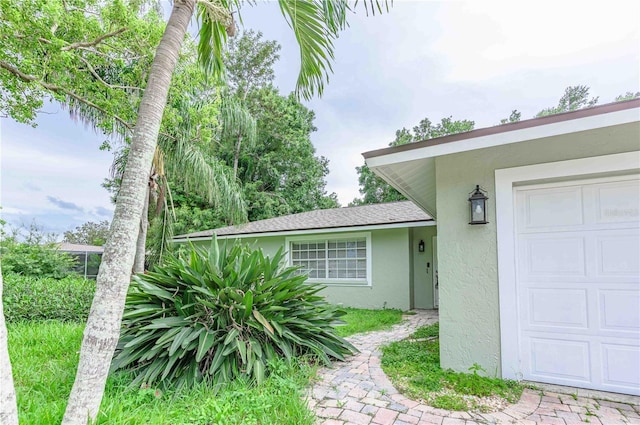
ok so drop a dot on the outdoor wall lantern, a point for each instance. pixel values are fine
(478, 206)
(421, 246)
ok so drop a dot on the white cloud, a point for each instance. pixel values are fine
(48, 170)
(11, 210)
(484, 40)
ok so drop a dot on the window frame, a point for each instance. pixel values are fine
(315, 238)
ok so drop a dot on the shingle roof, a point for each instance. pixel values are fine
(365, 215)
(73, 247)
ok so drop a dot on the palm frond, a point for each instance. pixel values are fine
(160, 236)
(315, 23)
(207, 176)
(216, 21)
(237, 120)
(315, 28)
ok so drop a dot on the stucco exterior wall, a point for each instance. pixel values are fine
(391, 270)
(467, 255)
(390, 275)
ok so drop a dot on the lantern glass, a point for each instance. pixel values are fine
(477, 210)
(478, 206)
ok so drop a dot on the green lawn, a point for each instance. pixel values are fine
(360, 320)
(413, 365)
(45, 356)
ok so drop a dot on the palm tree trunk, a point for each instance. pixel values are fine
(141, 244)
(105, 318)
(8, 405)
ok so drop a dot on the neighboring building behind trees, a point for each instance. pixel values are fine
(88, 258)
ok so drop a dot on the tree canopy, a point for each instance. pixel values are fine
(91, 58)
(278, 171)
(373, 189)
(574, 97)
(88, 233)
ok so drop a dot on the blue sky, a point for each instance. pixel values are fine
(471, 60)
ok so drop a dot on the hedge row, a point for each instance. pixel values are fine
(28, 298)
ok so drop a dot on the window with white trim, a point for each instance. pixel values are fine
(332, 260)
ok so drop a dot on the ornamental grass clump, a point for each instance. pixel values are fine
(223, 314)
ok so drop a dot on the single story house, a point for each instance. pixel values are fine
(547, 289)
(370, 256)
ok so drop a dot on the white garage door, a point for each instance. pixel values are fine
(578, 283)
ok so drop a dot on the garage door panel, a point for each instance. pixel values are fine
(560, 358)
(578, 283)
(558, 308)
(621, 366)
(553, 255)
(620, 311)
(553, 208)
(618, 254)
(618, 202)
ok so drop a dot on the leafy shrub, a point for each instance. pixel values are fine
(34, 259)
(28, 298)
(223, 314)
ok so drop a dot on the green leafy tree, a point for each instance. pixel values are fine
(277, 166)
(315, 26)
(628, 96)
(249, 63)
(89, 233)
(92, 59)
(574, 97)
(28, 251)
(183, 157)
(514, 117)
(282, 174)
(373, 189)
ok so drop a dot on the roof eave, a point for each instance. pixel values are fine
(344, 229)
(627, 111)
(415, 162)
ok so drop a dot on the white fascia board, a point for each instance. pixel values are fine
(538, 132)
(424, 223)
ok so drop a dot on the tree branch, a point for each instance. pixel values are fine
(105, 55)
(57, 89)
(94, 42)
(97, 77)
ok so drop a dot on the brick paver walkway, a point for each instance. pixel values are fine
(357, 392)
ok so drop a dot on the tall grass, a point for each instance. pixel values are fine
(413, 365)
(45, 356)
(361, 320)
